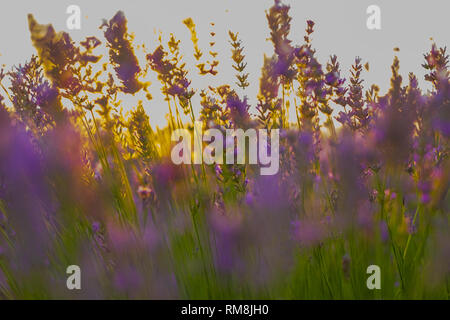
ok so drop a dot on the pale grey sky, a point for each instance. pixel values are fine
(340, 29)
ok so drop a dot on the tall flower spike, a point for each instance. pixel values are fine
(334, 80)
(57, 54)
(189, 23)
(268, 102)
(142, 136)
(35, 100)
(436, 62)
(358, 117)
(238, 59)
(310, 76)
(214, 62)
(207, 67)
(280, 25)
(121, 53)
(172, 73)
(396, 92)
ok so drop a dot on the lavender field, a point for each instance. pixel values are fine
(86, 180)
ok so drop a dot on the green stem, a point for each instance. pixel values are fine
(410, 235)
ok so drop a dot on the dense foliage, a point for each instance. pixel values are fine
(82, 182)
